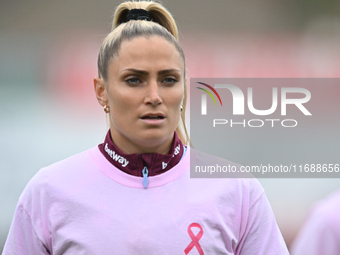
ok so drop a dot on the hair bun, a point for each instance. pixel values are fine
(145, 10)
(138, 14)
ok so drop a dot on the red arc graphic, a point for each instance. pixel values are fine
(194, 239)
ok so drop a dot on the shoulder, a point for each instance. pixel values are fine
(63, 174)
(205, 165)
(69, 167)
(216, 173)
(327, 211)
(330, 204)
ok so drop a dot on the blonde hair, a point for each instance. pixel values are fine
(162, 24)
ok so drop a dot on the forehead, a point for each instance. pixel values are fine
(148, 52)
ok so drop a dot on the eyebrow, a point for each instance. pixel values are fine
(169, 71)
(145, 73)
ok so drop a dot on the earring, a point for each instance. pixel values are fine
(181, 108)
(106, 109)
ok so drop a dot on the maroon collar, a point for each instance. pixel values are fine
(134, 163)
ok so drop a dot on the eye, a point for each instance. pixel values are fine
(133, 81)
(170, 80)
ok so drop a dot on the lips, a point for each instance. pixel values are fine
(153, 119)
(153, 116)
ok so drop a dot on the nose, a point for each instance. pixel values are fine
(153, 96)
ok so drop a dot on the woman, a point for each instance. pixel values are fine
(133, 193)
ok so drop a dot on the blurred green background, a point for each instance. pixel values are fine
(48, 54)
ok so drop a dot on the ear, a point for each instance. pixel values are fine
(100, 90)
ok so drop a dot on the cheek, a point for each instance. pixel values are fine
(176, 101)
(122, 105)
(121, 98)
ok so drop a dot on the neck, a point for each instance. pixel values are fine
(128, 147)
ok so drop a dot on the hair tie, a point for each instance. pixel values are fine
(138, 14)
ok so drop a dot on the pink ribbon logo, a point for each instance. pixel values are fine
(194, 239)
